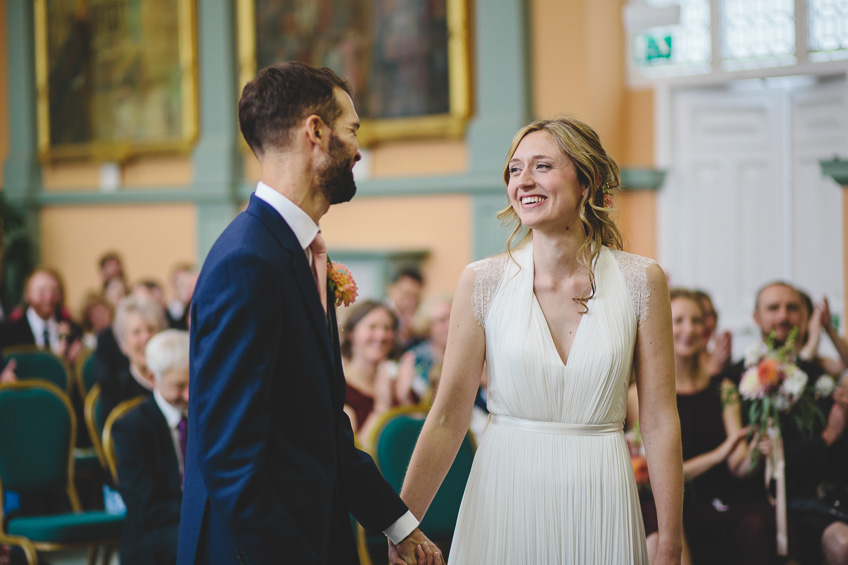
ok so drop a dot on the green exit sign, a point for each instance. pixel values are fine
(650, 49)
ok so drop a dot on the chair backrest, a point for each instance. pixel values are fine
(116, 414)
(34, 363)
(85, 372)
(94, 421)
(37, 431)
(394, 440)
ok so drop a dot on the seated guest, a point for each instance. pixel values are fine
(726, 521)
(403, 295)
(420, 367)
(110, 266)
(136, 321)
(368, 338)
(114, 290)
(150, 448)
(718, 346)
(96, 315)
(183, 281)
(43, 322)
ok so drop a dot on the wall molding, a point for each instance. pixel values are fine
(837, 169)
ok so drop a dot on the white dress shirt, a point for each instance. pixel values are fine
(37, 326)
(173, 415)
(305, 230)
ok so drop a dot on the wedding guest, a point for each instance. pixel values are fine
(420, 367)
(778, 311)
(404, 296)
(96, 315)
(111, 266)
(44, 322)
(369, 336)
(183, 281)
(718, 346)
(150, 448)
(114, 290)
(137, 319)
(717, 506)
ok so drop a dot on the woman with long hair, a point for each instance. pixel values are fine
(562, 321)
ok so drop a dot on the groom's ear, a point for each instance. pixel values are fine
(317, 130)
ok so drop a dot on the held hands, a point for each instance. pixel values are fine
(8, 375)
(416, 549)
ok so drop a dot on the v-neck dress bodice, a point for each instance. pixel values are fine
(552, 481)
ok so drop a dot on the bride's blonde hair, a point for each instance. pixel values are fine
(596, 170)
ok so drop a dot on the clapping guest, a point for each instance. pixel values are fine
(420, 367)
(150, 447)
(137, 319)
(718, 347)
(724, 519)
(815, 320)
(369, 336)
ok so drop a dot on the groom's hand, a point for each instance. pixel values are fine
(416, 549)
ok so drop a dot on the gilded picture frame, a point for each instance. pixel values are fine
(408, 61)
(115, 78)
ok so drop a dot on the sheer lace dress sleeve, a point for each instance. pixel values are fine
(635, 271)
(489, 273)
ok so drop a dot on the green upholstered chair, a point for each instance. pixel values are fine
(85, 372)
(37, 431)
(393, 440)
(94, 421)
(34, 363)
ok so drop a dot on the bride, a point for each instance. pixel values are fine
(561, 322)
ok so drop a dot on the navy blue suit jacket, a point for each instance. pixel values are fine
(271, 469)
(150, 484)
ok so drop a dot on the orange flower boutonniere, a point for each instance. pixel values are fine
(344, 287)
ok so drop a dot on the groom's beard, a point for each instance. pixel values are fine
(335, 180)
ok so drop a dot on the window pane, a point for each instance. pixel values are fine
(679, 49)
(828, 29)
(757, 33)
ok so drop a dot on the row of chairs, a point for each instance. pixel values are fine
(37, 435)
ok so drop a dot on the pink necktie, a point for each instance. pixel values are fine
(319, 266)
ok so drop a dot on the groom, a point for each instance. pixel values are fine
(271, 471)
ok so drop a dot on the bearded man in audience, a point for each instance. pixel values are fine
(150, 447)
(817, 464)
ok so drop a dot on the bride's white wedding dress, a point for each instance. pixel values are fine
(552, 480)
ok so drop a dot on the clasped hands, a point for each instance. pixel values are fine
(415, 549)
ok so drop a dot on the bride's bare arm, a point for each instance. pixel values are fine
(448, 420)
(660, 424)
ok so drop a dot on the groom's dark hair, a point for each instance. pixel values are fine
(283, 94)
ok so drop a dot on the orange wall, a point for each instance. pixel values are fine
(151, 239)
(138, 173)
(439, 224)
(578, 64)
(637, 218)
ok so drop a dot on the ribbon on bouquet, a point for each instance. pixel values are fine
(776, 470)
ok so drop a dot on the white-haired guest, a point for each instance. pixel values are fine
(150, 447)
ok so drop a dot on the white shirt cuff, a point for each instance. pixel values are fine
(404, 526)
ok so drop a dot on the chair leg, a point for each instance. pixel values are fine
(26, 545)
(92, 554)
(108, 550)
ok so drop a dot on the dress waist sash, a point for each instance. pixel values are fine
(555, 427)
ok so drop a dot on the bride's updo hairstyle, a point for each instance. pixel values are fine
(595, 170)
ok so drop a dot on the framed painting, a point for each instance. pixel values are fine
(408, 60)
(115, 78)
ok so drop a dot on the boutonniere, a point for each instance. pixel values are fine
(342, 284)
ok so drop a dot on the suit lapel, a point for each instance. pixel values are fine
(284, 235)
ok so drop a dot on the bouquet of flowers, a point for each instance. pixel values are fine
(773, 385)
